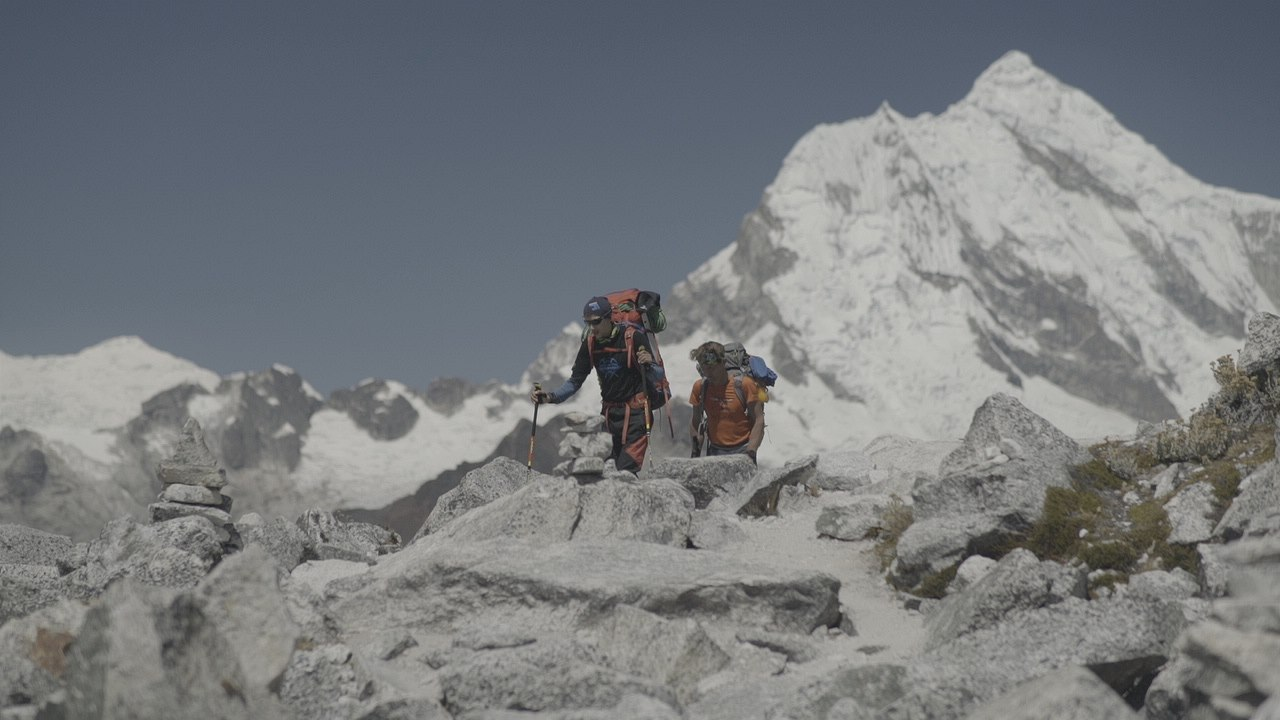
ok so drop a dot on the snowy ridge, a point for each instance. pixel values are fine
(74, 398)
(342, 462)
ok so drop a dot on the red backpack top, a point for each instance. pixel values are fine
(639, 307)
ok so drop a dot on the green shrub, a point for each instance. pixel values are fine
(1125, 462)
(935, 584)
(1179, 556)
(1234, 387)
(1110, 555)
(1067, 511)
(1150, 524)
(1097, 475)
(1150, 534)
(1225, 478)
(896, 519)
(1205, 438)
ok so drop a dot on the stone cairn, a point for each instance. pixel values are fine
(586, 445)
(192, 481)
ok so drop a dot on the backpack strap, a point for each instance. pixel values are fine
(631, 332)
(631, 343)
(737, 390)
(742, 394)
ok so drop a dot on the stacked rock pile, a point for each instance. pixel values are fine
(192, 482)
(586, 447)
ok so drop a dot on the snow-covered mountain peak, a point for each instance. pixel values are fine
(1012, 71)
(102, 386)
(1047, 116)
(1023, 241)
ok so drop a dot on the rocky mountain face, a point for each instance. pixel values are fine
(704, 589)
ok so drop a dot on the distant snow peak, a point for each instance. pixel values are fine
(1013, 68)
(121, 342)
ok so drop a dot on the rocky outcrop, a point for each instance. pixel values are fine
(481, 486)
(761, 495)
(1017, 582)
(1072, 693)
(272, 414)
(39, 487)
(1121, 641)
(329, 537)
(144, 651)
(988, 489)
(553, 510)
(287, 544)
(377, 408)
(1261, 351)
(705, 478)
(21, 545)
(856, 520)
(176, 553)
(1191, 514)
(1227, 666)
(1256, 507)
(553, 587)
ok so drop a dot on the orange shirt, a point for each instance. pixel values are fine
(727, 421)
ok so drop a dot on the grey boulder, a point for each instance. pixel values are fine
(481, 486)
(705, 478)
(1071, 693)
(1018, 581)
(1261, 344)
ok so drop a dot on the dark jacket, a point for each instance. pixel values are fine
(618, 382)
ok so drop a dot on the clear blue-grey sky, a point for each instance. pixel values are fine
(413, 190)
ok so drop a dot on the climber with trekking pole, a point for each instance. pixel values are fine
(632, 381)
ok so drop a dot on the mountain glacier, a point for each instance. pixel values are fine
(897, 272)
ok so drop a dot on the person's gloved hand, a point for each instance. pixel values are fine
(539, 396)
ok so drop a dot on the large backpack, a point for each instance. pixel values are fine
(640, 311)
(738, 362)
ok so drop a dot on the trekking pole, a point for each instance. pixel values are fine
(533, 434)
(644, 383)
